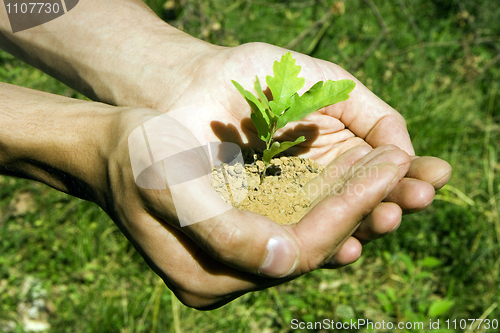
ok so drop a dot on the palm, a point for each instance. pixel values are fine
(225, 115)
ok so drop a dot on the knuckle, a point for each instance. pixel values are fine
(224, 242)
(195, 301)
(194, 293)
(317, 258)
(197, 295)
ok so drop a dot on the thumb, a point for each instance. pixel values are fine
(244, 240)
(172, 169)
(322, 232)
(247, 241)
(253, 243)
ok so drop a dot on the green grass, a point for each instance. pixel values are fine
(436, 64)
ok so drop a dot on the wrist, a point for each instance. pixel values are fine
(56, 140)
(161, 64)
(115, 51)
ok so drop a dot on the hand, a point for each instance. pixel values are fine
(217, 252)
(363, 119)
(209, 263)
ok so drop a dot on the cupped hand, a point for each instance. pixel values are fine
(364, 119)
(213, 261)
(208, 252)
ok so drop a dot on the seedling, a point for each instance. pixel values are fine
(286, 105)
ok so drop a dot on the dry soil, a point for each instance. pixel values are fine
(280, 196)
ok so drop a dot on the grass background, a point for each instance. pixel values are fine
(436, 61)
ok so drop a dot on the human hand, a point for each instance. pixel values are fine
(209, 262)
(363, 119)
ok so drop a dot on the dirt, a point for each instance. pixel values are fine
(280, 196)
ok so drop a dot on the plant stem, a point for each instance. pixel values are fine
(268, 145)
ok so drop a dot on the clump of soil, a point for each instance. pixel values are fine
(280, 197)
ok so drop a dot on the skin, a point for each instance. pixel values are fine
(146, 68)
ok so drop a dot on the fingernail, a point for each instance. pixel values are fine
(396, 227)
(281, 258)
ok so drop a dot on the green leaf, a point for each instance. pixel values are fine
(277, 148)
(382, 297)
(384, 301)
(391, 294)
(431, 262)
(259, 115)
(253, 101)
(319, 96)
(260, 92)
(261, 125)
(408, 263)
(284, 84)
(440, 307)
(272, 117)
(423, 275)
(287, 105)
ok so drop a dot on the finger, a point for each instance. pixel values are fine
(412, 195)
(416, 191)
(251, 242)
(371, 228)
(173, 171)
(430, 169)
(248, 242)
(383, 220)
(348, 253)
(332, 178)
(367, 116)
(243, 240)
(383, 154)
(325, 228)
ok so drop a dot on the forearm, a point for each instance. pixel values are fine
(56, 140)
(108, 50)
